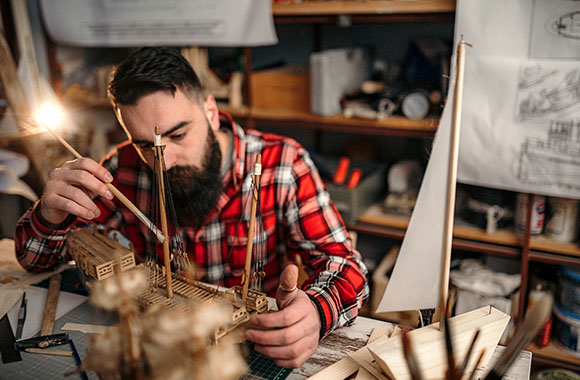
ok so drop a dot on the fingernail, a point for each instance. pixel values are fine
(90, 215)
(109, 194)
(97, 213)
(109, 177)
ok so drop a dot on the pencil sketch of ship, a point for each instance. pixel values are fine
(567, 25)
(533, 75)
(547, 101)
(554, 161)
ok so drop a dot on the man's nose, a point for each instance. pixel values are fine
(169, 158)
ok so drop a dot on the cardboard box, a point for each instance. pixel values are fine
(351, 203)
(285, 88)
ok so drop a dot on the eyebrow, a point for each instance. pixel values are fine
(166, 133)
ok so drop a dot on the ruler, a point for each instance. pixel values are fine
(50, 305)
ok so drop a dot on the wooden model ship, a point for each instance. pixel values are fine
(166, 343)
(169, 323)
(99, 257)
(413, 283)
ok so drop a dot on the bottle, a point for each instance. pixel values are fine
(540, 291)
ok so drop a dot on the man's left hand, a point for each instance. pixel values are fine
(290, 335)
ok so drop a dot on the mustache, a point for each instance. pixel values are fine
(183, 174)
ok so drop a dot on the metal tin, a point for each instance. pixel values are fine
(538, 213)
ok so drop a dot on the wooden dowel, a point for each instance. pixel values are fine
(120, 196)
(451, 181)
(255, 193)
(163, 214)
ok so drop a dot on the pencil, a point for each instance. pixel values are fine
(78, 360)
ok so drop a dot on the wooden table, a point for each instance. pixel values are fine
(337, 345)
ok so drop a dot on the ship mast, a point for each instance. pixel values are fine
(158, 149)
(255, 193)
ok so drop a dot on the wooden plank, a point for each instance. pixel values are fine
(429, 344)
(347, 366)
(313, 8)
(363, 372)
(50, 305)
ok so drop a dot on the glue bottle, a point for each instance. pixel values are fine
(536, 294)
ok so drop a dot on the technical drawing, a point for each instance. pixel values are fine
(533, 75)
(567, 25)
(546, 100)
(554, 161)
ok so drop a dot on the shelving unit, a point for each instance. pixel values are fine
(506, 243)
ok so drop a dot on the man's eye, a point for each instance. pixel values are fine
(178, 136)
(144, 146)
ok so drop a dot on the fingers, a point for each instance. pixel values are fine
(288, 281)
(290, 356)
(294, 337)
(70, 188)
(285, 336)
(289, 277)
(287, 317)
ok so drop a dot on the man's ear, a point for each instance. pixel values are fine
(120, 121)
(211, 112)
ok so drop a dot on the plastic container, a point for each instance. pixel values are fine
(567, 329)
(569, 294)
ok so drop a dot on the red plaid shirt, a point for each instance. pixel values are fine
(296, 216)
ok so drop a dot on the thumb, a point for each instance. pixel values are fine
(288, 281)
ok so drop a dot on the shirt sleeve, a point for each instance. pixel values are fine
(40, 245)
(338, 284)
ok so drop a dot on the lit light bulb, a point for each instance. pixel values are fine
(50, 115)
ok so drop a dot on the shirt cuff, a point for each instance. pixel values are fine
(324, 311)
(47, 227)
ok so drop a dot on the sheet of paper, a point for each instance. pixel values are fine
(521, 103)
(36, 298)
(160, 22)
(419, 264)
(8, 299)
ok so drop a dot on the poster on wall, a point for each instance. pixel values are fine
(119, 23)
(521, 103)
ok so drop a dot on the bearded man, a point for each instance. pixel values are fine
(209, 161)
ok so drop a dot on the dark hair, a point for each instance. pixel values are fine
(153, 69)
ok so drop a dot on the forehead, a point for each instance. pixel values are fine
(161, 108)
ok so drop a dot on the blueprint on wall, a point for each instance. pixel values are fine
(521, 103)
(159, 22)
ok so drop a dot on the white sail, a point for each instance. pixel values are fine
(415, 282)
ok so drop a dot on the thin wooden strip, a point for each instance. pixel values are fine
(48, 352)
(82, 327)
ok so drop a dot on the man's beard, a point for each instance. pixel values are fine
(196, 190)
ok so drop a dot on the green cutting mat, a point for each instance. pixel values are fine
(262, 367)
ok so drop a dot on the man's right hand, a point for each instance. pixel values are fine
(70, 190)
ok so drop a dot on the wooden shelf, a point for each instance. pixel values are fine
(565, 253)
(555, 355)
(313, 8)
(392, 126)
